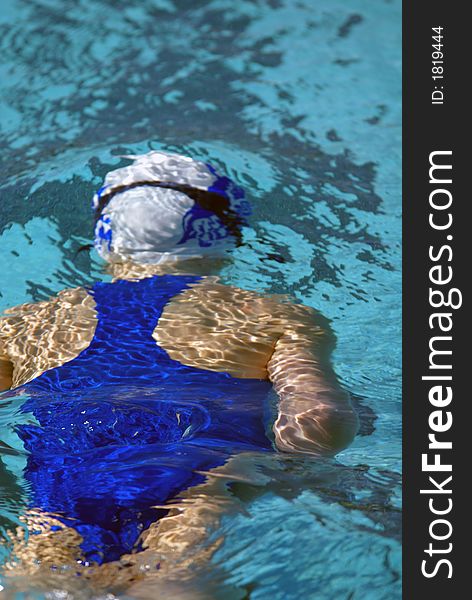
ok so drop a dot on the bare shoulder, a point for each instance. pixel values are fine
(35, 337)
(224, 328)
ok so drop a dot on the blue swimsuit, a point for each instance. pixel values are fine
(122, 428)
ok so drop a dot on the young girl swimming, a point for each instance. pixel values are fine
(138, 387)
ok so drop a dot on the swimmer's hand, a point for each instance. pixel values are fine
(315, 415)
(321, 423)
(6, 374)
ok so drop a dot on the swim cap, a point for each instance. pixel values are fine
(167, 207)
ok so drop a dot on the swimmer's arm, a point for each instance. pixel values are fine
(314, 413)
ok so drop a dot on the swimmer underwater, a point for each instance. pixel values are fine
(140, 387)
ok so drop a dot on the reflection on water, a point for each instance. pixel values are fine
(298, 103)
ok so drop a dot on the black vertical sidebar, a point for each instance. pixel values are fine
(437, 250)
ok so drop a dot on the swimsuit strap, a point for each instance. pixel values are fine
(122, 348)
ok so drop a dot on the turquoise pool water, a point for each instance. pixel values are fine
(299, 102)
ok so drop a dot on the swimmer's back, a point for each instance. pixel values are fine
(213, 327)
(208, 325)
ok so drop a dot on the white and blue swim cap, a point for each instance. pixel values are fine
(167, 207)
